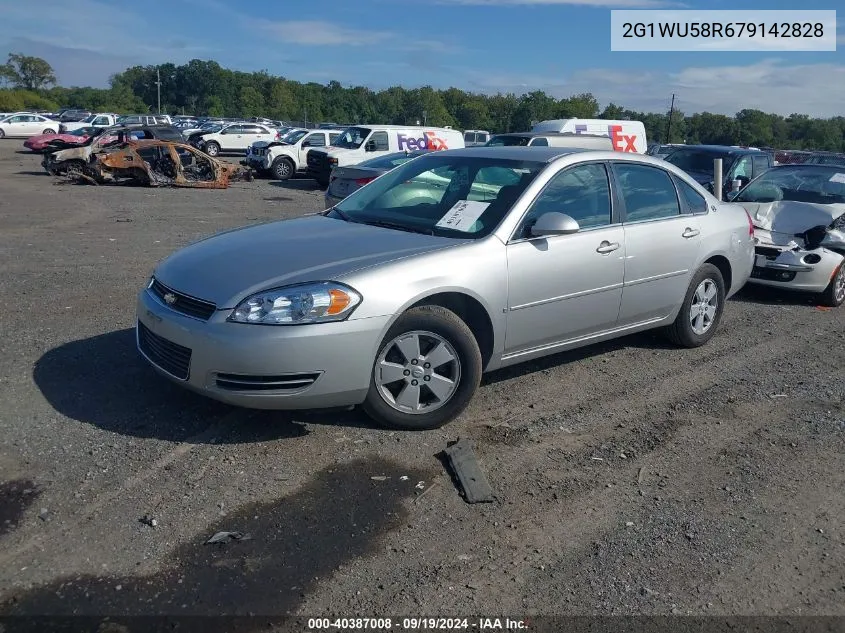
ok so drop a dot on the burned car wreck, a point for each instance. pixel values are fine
(798, 212)
(156, 163)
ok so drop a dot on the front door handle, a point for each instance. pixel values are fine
(688, 233)
(607, 247)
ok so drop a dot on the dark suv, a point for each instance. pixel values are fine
(738, 163)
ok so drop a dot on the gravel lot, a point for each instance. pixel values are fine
(632, 477)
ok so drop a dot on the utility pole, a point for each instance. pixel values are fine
(669, 122)
(158, 88)
(425, 118)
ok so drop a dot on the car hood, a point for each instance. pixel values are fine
(787, 216)
(227, 267)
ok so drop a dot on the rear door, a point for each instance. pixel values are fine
(662, 240)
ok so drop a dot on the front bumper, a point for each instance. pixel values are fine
(263, 366)
(790, 271)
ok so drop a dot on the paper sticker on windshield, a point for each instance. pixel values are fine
(463, 215)
(838, 178)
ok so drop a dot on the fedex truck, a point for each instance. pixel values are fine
(362, 142)
(626, 136)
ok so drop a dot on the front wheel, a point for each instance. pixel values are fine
(2, 134)
(426, 371)
(212, 148)
(834, 294)
(282, 169)
(701, 311)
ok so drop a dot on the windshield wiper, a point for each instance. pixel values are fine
(341, 214)
(399, 227)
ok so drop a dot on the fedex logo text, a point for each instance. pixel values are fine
(621, 142)
(429, 141)
(617, 138)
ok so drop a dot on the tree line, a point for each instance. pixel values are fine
(206, 88)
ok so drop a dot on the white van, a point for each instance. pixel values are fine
(362, 142)
(552, 139)
(627, 136)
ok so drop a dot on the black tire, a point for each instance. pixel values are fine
(2, 134)
(834, 294)
(448, 326)
(212, 148)
(681, 332)
(74, 166)
(49, 131)
(282, 168)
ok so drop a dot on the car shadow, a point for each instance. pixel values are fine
(104, 382)
(271, 555)
(32, 173)
(297, 184)
(775, 296)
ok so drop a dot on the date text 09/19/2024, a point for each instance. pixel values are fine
(418, 624)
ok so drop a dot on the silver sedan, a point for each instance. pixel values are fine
(459, 262)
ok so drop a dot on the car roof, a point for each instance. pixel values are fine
(722, 149)
(537, 154)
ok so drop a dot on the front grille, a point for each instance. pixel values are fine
(316, 159)
(172, 358)
(770, 274)
(183, 303)
(283, 382)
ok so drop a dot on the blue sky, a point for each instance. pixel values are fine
(560, 46)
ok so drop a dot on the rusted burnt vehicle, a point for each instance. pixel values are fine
(160, 164)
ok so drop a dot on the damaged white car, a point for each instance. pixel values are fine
(798, 212)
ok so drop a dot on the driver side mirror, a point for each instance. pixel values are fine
(554, 223)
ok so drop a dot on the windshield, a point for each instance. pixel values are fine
(352, 138)
(440, 194)
(390, 161)
(508, 140)
(293, 137)
(693, 160)
(798, 183)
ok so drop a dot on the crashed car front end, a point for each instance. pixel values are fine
(806, 250)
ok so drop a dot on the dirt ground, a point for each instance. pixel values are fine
(631, 478)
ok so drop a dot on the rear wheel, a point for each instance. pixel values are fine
(2, 133)
(48, 131)
(212, 148)
(426, 371)
(282, 168)
(701, 311)
(834, 294)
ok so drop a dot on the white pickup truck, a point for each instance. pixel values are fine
(95, 120)
(282, 159)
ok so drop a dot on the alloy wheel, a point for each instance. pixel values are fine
(417, 372)
(705, 303)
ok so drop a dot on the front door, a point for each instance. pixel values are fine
(567, 286)
(661, 240)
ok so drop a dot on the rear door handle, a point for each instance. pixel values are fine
(607, 247)
(688, 233)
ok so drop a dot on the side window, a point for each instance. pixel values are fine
(17, 119)
(695, 202)
(380, 141)
(101, 120)
(333, 137)
(149, 154)
(581, 192)
(760, 164)
(539, 142)
(742, 168)
(648, 192)
(469, 137)
(317, 139)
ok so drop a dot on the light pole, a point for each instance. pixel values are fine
(158, 88)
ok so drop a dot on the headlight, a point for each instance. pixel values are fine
(311, 303)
